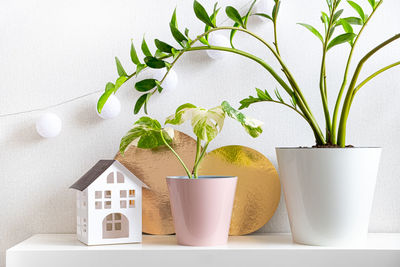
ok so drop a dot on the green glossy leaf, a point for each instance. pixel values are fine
(263, 95)
(246, 17)
(343, 38)
(178, 36)
(372, 3)
(120, 81)
(346, 26)
(337, 15)
(252, 126)
(245, 103)
(325, 20)
(139, 103)
(329, 3)
(354, 21)
(162, 46)
(145, 48)
(213, 18)
(134, 56)
(204, 41)
(146, 134)
(357, 8)
(313, 30)
(201, 14)
(234, 15)
(104, 97)
(145, 85)
(154, 63)
(173, 19)
(278, 95)
(178, 118)
(275, 10)
(146, 101)
(233, 32)
(120, 69)
(187, 32)
(263, 15)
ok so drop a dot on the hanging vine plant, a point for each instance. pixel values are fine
(337, 30)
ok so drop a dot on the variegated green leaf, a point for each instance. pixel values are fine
(252, 126)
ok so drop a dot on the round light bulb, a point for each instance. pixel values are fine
(217, 40)
(170, 82)
(111, 108)
(48, 125)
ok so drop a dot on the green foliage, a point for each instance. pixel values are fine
(120, 69)
(145, 85)
(162, 46)
(145, 48)
(147, 134)
(343, 38)
(312, 30)
(178, 36)
(154, 63)
(359, 10)
(234, 15)
(252, 126)
(201, 14)
(207, 123)
(134, 56)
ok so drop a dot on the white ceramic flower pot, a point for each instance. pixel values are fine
(329, 193)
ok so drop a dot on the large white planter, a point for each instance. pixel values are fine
(329, 193)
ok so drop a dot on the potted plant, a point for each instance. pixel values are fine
(201, 205)
(329, 187)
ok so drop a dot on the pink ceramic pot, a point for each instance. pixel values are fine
(202, 209)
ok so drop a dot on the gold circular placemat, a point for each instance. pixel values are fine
(152, 167)
(258, 189)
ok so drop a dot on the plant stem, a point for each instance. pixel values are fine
(339, 98)
(198, 152)
(350, 92)
(275, 32)
(374, 75)
(319, 136)
(322, 78)
(176, 155)
(197, 164)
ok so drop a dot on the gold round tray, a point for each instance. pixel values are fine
(258, 189)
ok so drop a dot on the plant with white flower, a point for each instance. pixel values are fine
(147, 133)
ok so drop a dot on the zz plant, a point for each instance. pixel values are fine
(337, 30)
(147, 133)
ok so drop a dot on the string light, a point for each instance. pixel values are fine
(111, 108)
(48, 125)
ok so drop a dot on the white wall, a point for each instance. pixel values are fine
(51, 51)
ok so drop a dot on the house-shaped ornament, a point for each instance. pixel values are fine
(109, 205)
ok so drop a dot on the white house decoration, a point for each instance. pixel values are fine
(109, 205)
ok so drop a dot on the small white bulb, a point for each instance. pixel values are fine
(170, 82)
(217, 40)
(48, 125)
(111, 108)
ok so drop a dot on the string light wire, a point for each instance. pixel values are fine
(81, 96)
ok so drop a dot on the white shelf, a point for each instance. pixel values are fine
(275, 250)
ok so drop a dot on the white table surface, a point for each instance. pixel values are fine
(64, 250)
